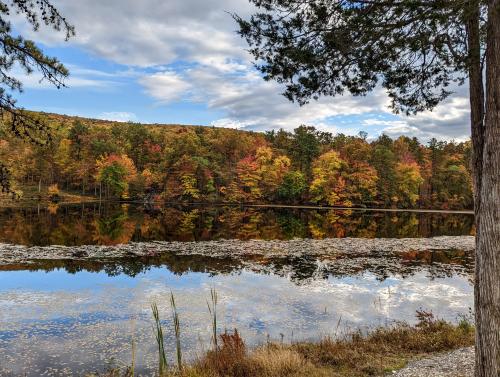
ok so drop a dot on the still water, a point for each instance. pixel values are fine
(109, 224)
(66, 318)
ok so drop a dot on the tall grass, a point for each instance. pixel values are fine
(212, 309)
(177, 331)
(162, 357)
(132, 365)
(355, 354)
(131, 371)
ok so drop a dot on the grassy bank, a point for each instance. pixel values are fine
(32, 196)
(354, 355)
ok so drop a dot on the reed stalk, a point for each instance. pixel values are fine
(134, 350)
(177, 331)
(132, 366)
(162, 357)
(212, 309)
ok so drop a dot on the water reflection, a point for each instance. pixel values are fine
(109, 224)
(69, 317)
(298, 269)
(73, 323)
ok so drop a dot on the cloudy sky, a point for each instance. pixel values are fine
(176, 61)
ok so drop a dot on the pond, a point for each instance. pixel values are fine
(109, 224)
(68, 317)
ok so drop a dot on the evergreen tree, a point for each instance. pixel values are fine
(18, 51)
(415, 50)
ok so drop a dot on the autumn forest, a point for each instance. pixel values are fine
(175, 163)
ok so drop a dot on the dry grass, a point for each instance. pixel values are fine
(387, 349)
(30, 196)
(233, 359)
(355, 355)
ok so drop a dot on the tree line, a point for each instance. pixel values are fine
(175, 163)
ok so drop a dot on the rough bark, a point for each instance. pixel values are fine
(476, 97)
(487, 281)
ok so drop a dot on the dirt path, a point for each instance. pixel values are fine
(459, 363)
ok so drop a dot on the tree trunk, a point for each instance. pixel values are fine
(487, 279)
(476, 97)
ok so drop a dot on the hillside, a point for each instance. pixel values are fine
(184, 163)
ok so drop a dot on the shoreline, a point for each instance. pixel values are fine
(91, 200)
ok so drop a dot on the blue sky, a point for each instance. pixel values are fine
(175, 61)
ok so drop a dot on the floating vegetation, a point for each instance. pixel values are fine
(235, 249)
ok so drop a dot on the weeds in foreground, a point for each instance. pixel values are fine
(354, 355)
(212, 309)
(162, 356)
(177, 331)
(131, 369)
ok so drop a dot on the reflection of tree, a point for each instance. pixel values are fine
(114, 229)
(292, 226)
(299, 269)
(178, 264)
(242, 223)
(113, 223)
(408, 227)
(188, 224)
(339, 224)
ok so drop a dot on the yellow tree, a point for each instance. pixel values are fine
(249, 178)
(408, 180)
(271, 170)
(361, 182)
(328, 186)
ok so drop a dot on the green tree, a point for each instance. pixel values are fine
(293, 186)
(77, 134)
(304, 148)
(116, 172)
(415, 50)
(384, 161)
(113, 176)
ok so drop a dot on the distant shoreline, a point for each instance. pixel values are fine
(44, 203)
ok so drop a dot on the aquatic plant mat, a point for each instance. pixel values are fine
(330, 247)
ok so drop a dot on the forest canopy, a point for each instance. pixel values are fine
(206, 164)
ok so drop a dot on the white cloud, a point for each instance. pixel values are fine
(450, 119)
(192, 52)
(79, 78)
(118, 116)
(165, 86)
(251, 102)
(227, 123)
(151, 32)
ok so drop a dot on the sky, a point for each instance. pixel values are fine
(181, 61)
